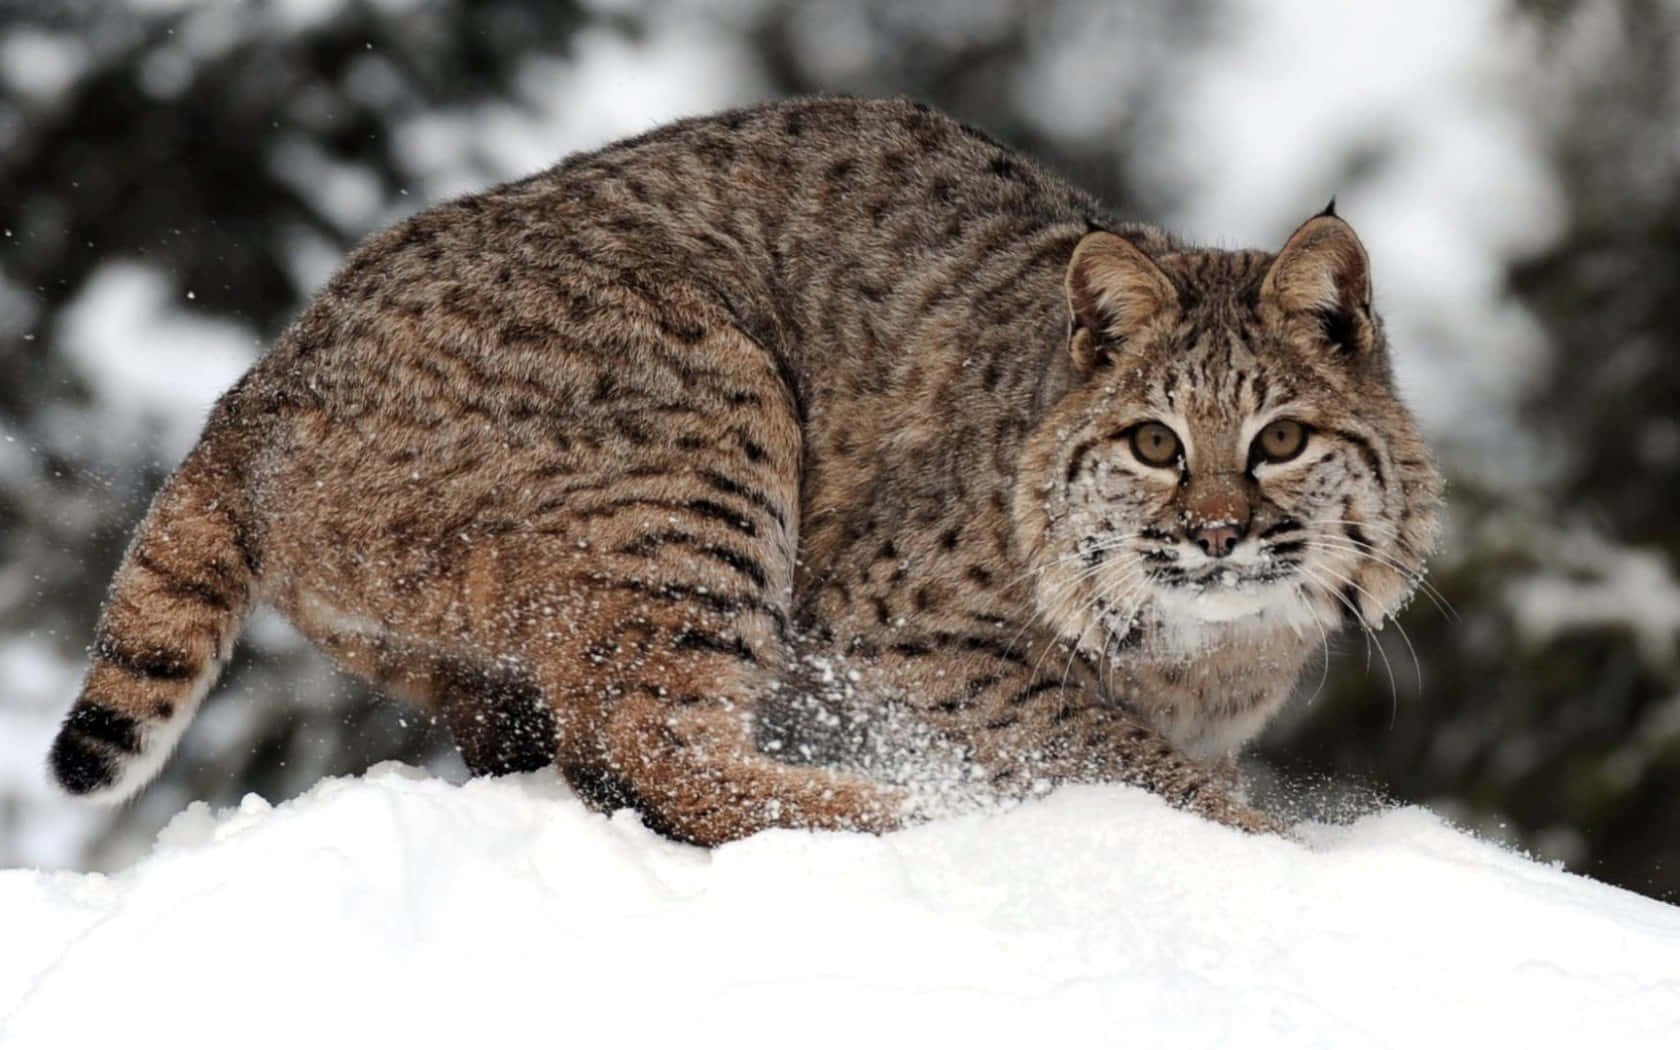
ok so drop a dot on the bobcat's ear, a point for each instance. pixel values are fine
(1113, 289)
(1323, 273)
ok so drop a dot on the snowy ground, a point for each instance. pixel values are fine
(400, 909)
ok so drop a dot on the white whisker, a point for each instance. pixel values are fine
(1370, 635)
(1324, 640)
(1417, 665)
(1428, 589)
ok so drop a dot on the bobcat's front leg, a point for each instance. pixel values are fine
(1091, 740)
(1024, 716)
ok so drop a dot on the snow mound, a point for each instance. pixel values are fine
(401, 910)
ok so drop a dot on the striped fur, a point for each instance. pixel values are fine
(737, 470)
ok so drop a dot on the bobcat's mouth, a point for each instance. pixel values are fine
(1216, 576)
(1177, 569)
(1219, 592)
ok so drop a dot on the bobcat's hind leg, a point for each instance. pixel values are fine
(671, 584)
(498, 716)
(690, 762)
(674, 640)
(630, 549)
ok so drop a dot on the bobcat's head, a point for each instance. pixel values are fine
(1231, 453)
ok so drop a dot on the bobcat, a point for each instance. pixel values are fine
(823, 464)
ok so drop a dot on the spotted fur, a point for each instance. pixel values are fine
(752, 473)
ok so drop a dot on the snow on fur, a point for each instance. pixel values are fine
(401, 910)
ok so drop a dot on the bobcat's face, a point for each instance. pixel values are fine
(1232, 455)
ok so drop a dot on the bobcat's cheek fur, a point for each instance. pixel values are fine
(747, 473)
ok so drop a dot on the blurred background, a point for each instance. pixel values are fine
(177, 176)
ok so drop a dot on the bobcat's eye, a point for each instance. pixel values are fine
(1155, 444)
(1281, 440)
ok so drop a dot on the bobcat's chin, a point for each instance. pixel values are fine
(1186, 617)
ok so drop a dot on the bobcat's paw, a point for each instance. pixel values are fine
(1224, 810)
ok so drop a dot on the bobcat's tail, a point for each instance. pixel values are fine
(168, 625)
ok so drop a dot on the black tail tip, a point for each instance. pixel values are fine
(79, 766)
(86, 756)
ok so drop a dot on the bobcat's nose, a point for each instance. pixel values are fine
(1216, 539)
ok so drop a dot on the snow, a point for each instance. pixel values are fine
(347, 195)
(41, 65)
(607, 87)
(399, 908)
(1589, 583)
(39, 824)
(150, 359)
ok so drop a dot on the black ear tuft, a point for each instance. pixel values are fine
(1329, 209)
